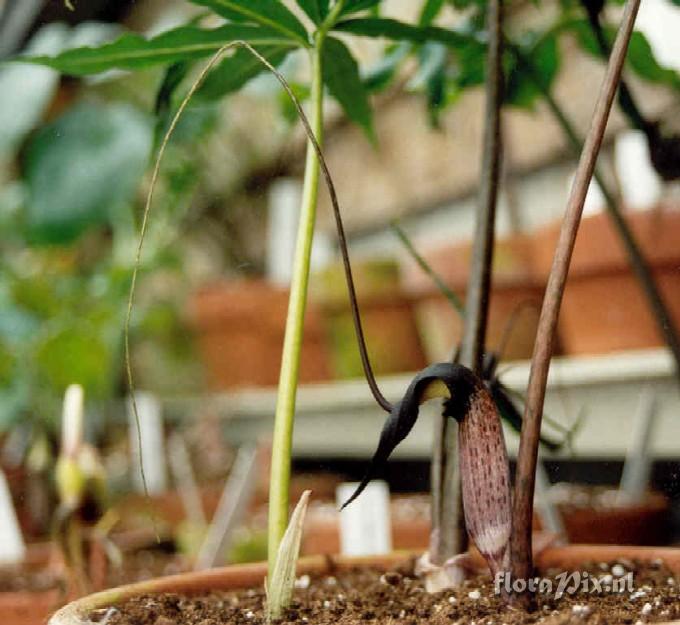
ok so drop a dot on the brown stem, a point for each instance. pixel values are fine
(445, 540)
(521, 561)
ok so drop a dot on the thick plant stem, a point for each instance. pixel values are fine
(445, 541)
(521, 556)
(292, 344)
(664, 321)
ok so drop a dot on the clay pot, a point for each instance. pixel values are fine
(31, 607)
(387, 317)
(249, 575)
(514, 284)
(604, 308)
(646, 523)
(240, 327)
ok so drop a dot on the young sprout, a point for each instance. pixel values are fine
(81, 487)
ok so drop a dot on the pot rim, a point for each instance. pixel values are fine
(240, 576)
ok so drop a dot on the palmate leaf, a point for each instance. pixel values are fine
(269, 13)
(341, 76)
(235, 71)
(132, 51)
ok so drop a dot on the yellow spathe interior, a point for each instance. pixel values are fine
(435, 389)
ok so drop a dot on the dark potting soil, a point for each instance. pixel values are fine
(369, 597)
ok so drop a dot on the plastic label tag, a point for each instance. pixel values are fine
(365, 527)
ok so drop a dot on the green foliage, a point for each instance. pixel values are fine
(640, 57)
(83, 168)
(316, 10)
(270, 13)
(341, 76)
(237, 70)
(429, 12)
(521, 89)
(133, 52)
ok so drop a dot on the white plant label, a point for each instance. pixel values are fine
(12, 547)
(153, 443)
(365, 526)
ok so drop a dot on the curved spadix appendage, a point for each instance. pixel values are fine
(485, 474)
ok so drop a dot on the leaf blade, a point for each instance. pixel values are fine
(316, 10)
(238, 69)
(269, 13)
(131, 51)
(341, 76)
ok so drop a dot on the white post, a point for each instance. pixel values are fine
(153, 443)
(236, 496)
(185, 480)
(365, 526)
(12, 546)
(284, 202)
(637, 466)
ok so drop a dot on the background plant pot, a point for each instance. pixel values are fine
(387, 316)
(514, 284)
(30, 606)
(251, 575)
(604, 308)
(644, 523)
(240, 327)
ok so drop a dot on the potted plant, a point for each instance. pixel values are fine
(500, 530)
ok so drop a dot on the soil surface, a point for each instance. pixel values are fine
(369, 597)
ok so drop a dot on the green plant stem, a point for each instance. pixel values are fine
(643, 274)
(453, 299)
(290, 361)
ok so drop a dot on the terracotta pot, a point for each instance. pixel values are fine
(249, 575)
(604, 308)
(31, 607)
(514, 284)
(387, 316)
(240, 327)
(647, 523)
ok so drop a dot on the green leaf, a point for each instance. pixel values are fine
(521, 89)
(270, 13)
(355, 6)
(235, 71)
(341, 76)
(388, 28)
(134, 52)
(82, 168)
(640, 56)
(430, 10)
(317, 10)
(380, 75)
